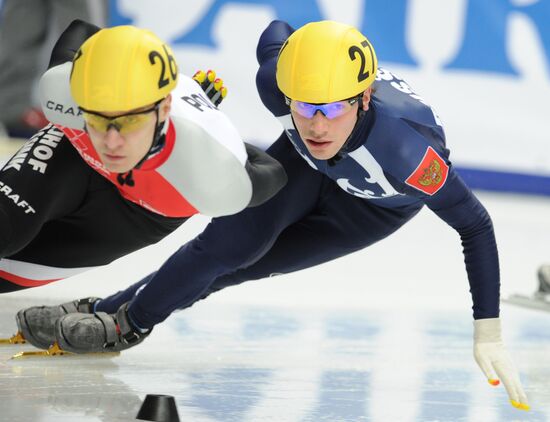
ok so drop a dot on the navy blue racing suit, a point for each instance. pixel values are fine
(394, 162)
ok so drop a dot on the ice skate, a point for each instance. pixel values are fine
(36, 324)
(17, 338)
(544, 279)
(55, 350)
(97, 333)
(541, 298)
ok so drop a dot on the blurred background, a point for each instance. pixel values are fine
(483, 65)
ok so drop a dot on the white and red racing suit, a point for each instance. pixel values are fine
(62, 211)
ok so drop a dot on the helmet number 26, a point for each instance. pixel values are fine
(172, 66)
(353, 51)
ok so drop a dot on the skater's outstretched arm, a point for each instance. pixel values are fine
(460, 208)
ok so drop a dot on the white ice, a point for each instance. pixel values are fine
(381, 335)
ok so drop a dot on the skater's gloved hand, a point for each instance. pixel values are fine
(491, 356)
(212, 86)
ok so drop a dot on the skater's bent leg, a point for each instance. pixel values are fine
(31, 200)
(229, 243)
(226, 244)
(343, 224)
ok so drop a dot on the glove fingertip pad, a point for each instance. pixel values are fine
(520, 406)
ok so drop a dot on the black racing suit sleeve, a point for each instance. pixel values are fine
(266, 174)
(46, 179)
(70, 41)
(267, 52)
(458, 206)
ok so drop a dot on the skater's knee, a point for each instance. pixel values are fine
(7, 247)
(10, 243)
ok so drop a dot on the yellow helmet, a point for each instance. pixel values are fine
(122, 68)
(325, 61)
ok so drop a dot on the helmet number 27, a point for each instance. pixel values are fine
(354, 51)
(172, 66)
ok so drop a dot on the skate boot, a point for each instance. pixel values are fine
(97, 333)
(544, 279)
(37, 324)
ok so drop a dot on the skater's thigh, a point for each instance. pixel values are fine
(103, 228)
(339, 225)
(45, 180)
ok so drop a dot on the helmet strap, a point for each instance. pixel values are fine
(159, 140)
(126, 179)
(342, 152)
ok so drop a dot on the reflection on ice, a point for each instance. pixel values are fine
(251, 364)
(377, 336)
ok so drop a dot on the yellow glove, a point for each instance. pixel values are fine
(212, 86)
(491, 356)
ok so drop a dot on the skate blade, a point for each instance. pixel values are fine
(530, 302)
(15, 339)
(55, 350)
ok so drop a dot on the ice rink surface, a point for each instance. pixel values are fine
(381, 335)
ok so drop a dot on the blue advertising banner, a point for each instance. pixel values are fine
(484, 66)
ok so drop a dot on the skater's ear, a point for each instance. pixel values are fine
(165, 107)
(365, 99)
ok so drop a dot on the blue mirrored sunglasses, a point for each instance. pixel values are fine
(329, 110)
